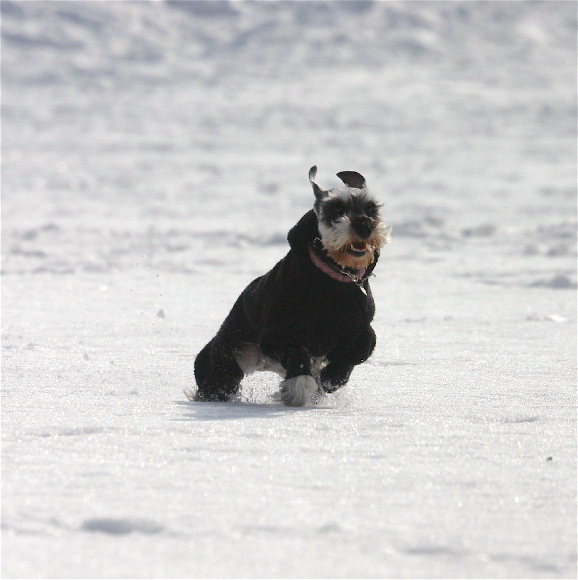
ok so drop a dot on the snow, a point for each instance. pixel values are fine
(155, 155)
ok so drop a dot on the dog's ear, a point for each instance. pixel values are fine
(352, 179)
(319, 192)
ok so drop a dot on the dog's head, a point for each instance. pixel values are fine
(350, 227)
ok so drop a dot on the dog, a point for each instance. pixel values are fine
(309, 318)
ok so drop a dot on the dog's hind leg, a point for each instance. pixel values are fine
(217, 373)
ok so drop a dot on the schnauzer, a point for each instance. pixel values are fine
(309, 317)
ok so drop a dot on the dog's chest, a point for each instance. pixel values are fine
(330, 313)
(335, 320)
(324, 311)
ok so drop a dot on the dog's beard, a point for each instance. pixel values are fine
(345, 248)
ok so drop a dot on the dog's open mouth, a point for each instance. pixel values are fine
(358, 249)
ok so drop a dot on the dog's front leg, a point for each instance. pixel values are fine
(341, 361)
(299, 385)
(335, 375)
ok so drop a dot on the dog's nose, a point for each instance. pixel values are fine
(362, 226)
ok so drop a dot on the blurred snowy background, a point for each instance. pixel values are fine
(135, 128)
(154, 155)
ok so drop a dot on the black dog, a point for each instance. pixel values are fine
(309, 317)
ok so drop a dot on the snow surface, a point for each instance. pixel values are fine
(155, 156)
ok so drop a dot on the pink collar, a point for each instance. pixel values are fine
(332, 273)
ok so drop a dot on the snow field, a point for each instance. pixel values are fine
(436, 456)
(154, 156)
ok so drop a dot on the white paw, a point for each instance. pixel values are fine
(297, 391)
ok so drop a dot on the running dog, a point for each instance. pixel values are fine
(309, 318)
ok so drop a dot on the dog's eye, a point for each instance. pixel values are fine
(335, 211)
(371, 210)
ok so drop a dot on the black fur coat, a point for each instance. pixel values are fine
(296, 305)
